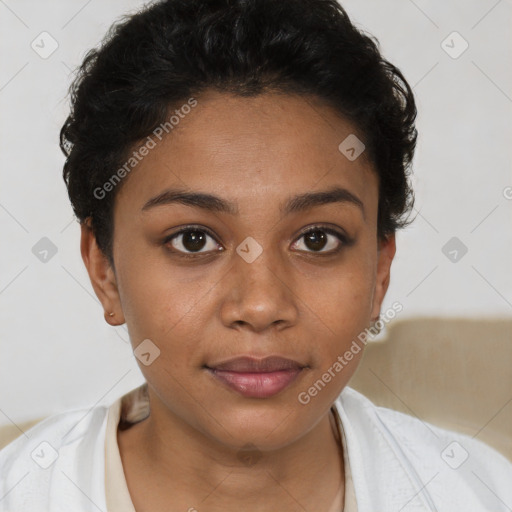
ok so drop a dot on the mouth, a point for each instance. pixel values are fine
(256, 378)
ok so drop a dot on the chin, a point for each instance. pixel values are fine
(268, 426)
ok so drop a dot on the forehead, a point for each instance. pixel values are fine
(262, 148)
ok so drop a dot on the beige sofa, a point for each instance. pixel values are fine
(455, 373)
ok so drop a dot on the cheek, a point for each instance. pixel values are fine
(340, 308)
(164, 305)
(341, 298)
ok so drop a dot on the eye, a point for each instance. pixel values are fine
(191, 240)
(318, 238)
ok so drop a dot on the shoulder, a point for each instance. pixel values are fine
(36, 466)
(450, 461)
(412, 432)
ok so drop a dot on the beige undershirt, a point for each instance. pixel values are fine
(134, 407)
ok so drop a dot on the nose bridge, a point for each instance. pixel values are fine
(260, 291)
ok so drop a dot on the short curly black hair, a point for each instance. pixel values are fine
(172, 50)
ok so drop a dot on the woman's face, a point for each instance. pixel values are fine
(246, 282)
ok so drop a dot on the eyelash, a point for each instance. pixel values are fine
(344, 239)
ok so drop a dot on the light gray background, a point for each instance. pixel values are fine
(57, 352)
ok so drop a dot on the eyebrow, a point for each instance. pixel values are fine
(215, 203)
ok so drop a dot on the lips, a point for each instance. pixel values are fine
(248, 364)
(256, 378)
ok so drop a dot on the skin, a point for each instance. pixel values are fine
(291, 301)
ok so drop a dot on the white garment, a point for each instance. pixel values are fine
(398, 463)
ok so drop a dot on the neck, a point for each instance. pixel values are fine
(170, 462)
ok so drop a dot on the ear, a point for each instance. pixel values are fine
(101, 274)
(385, 254)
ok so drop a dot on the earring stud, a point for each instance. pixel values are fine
(111, 314)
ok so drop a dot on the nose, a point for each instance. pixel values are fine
(259, 295)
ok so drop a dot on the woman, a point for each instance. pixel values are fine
(239, 170)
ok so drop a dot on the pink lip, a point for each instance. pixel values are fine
(257, 385)
(257, 378)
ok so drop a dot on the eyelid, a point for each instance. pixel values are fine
(343, 238)
(192, 227)
(184, 229)
(328, 229)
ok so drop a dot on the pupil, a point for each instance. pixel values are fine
(193, 240)
(315, 240)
